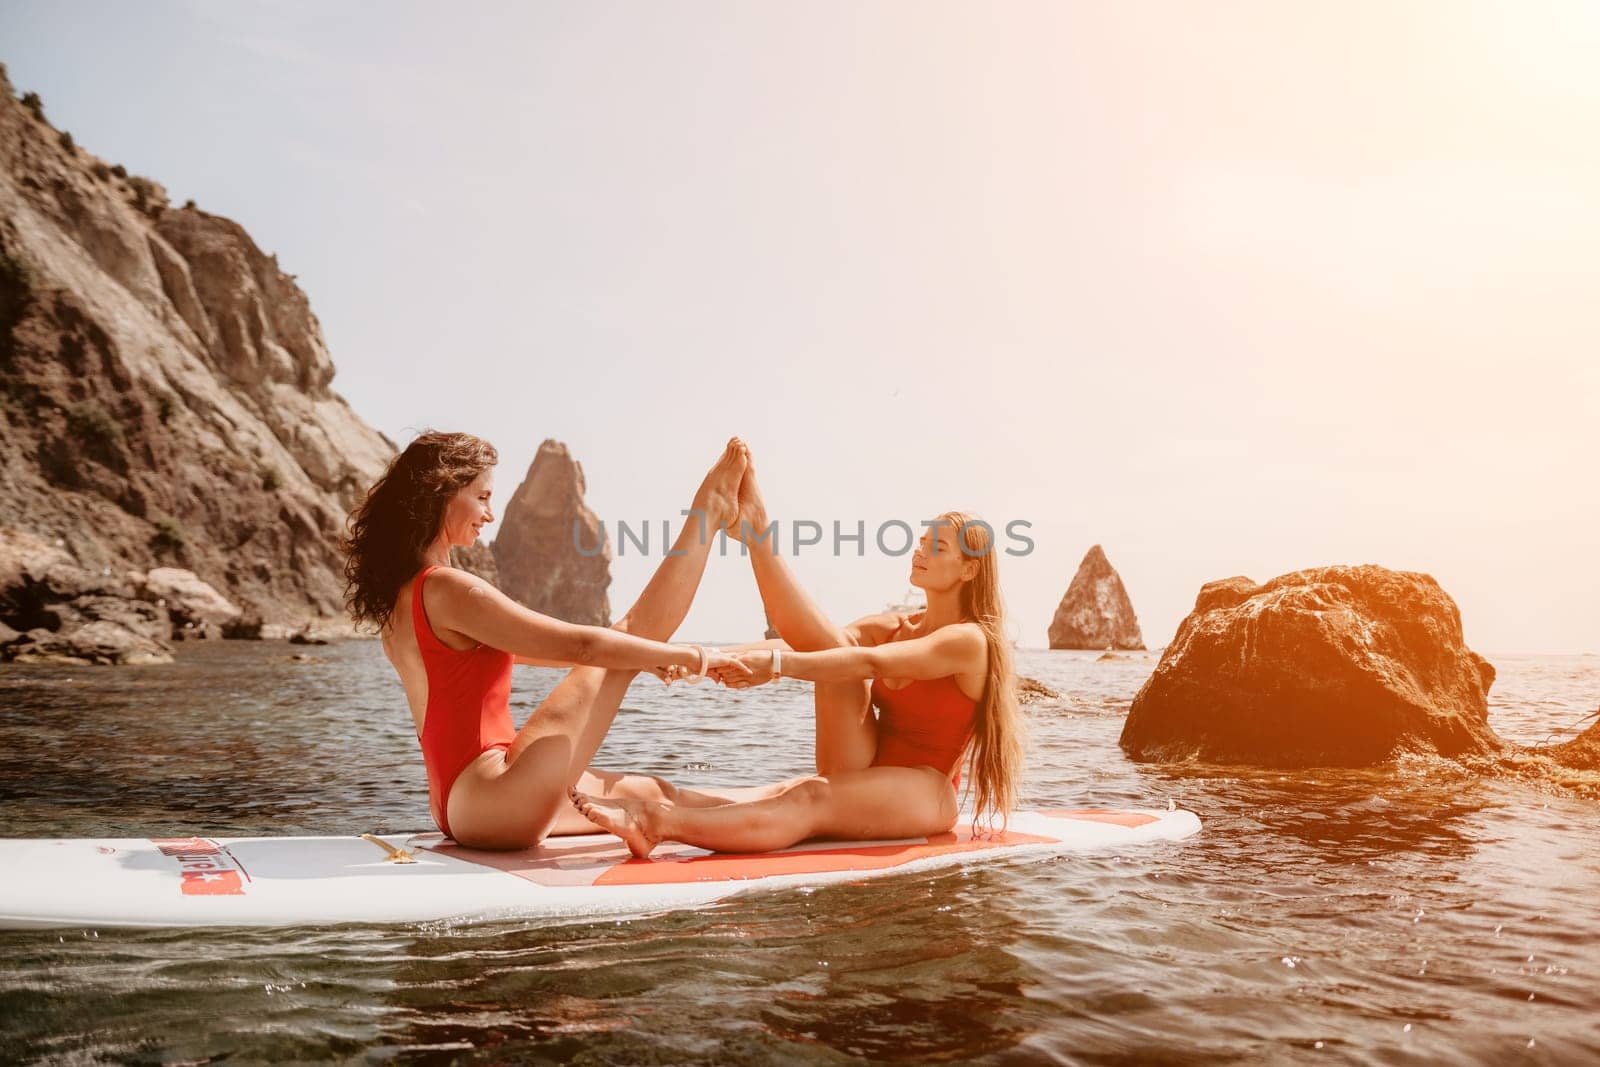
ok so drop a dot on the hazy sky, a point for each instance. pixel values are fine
(1229, 288)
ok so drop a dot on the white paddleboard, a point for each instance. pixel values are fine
(284, 881)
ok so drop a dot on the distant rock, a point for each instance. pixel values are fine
(189, 601)
(771, 633)
(477, 558)
(246, 627)
(75, 615)
(1581, 753)
(1032, 691)
(97, 642)
(1334, 666)
(55, 611)
(165, 395)
(142, 619)
(26, 562)
(537, 549)
(1095, 612)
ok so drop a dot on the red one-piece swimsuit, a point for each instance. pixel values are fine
(469, 705)
(925, 724)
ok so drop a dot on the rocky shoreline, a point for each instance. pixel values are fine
(166, 415)
(56, 611)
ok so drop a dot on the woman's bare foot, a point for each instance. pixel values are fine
(718, 496)
(752, 517)
(631, 820)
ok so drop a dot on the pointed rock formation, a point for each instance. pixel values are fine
(551, 550)
(164, 388)
(1095, 613)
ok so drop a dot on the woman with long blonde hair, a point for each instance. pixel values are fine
(941, 681)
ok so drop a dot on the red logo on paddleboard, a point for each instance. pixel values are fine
(206, 869)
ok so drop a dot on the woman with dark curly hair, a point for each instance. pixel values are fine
(453, 638)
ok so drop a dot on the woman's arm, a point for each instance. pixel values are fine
(956, 649)
(476, 609)
(868, 630)
(874, 629)
(751, 646)
(531, 661)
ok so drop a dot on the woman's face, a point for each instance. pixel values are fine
(938, 562)
(468, 510)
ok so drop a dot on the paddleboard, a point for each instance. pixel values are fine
(397, 878)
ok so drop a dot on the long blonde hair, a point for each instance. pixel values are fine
(994, 760)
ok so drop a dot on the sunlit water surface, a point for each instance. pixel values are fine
(1414, 914)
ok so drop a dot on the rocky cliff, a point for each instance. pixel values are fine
(165, 393)
(1095, 611)
(550, 550)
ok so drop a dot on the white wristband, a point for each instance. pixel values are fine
(777, 663)
(705, 660)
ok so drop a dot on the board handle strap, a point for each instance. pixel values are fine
(395, 855)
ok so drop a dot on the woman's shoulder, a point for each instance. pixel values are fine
(450, 578)
(436, 580)
(454, 593)
(910, 625)
(965, 628)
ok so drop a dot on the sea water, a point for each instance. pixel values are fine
(1413, 913)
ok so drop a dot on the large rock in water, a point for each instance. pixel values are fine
(537, 549)
(1581, 753)
(164, 388)
(1095, 613)
(1335, 666)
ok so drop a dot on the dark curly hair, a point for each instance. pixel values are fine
(393, 525)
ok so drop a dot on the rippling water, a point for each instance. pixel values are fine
(1414, 914)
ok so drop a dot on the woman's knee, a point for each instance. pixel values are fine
(810, 792)
(847, 701)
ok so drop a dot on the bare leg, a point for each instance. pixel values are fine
(797, 618)
(846, 730)
(874, 804)
(517, 806)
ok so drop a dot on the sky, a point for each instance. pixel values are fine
(1232, 288)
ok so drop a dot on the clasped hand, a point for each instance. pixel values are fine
(735, 670)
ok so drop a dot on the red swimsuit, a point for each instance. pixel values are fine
(469, 705)
(925, 724)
